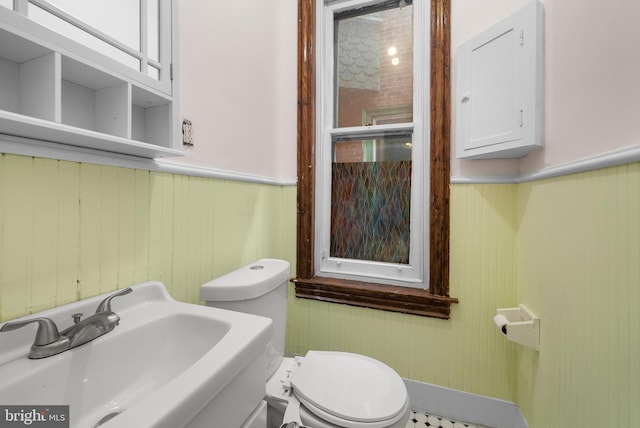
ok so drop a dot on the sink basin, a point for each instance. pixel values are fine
(168, 364)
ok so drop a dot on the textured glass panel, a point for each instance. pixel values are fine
(371, 199)
(374, 66)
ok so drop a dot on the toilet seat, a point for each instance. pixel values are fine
(350, 390)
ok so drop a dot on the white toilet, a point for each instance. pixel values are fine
(335, 389)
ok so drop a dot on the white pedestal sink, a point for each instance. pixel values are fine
(168, 364)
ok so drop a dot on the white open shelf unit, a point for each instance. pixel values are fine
(51, 90)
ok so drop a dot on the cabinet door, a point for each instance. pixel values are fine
(499, 89)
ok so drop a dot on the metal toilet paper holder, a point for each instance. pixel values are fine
(520, 325)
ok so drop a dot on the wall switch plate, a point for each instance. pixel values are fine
(187, 133)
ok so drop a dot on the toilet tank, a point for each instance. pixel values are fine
(259, 288)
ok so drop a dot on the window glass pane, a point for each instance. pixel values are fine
(153, 30)
(374, 66)
(371, 199)
(119, 19)
(153, 72)
(48, 20)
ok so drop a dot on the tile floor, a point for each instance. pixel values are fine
(421, 420)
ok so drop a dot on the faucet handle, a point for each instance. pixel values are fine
(105, 305)
(47, 331)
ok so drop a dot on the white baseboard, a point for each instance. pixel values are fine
(464, 406)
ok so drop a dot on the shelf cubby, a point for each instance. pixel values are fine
(28, 83)
(151, 117)
(94, 100)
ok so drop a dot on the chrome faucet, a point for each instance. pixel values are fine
(49, 342)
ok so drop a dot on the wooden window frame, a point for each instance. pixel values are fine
(434, 302)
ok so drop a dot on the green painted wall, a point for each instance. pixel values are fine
(579, 269)
(71, 230)
(464, 353)
(567, 247)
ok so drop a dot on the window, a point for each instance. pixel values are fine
(373, 155)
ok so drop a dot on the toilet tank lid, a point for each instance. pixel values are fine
(248, 282)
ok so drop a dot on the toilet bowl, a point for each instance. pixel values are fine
(335, 389)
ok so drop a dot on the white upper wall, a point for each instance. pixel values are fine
(238, 78)
(592, 78)
(238, 85)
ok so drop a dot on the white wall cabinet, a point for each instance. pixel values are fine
(499, 96)
(54, 89)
